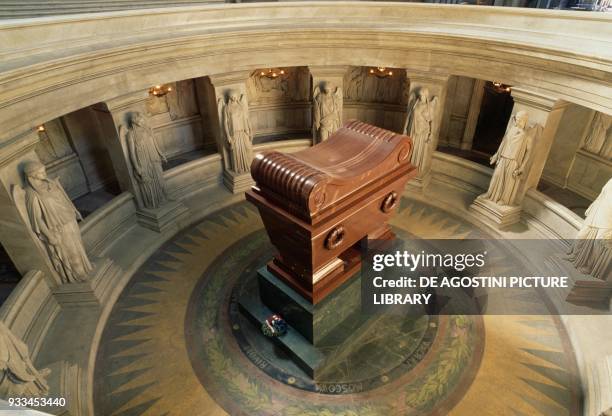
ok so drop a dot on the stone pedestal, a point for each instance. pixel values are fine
(419, 184)
(92, 292)
(313, 330)
(499, 215)
(162, 218)
(65, 381)
(237, 183)
(592, 293)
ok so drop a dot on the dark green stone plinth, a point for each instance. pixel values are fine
(311, 327)
(313, 322)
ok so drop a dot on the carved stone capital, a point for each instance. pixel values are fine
(125, 102)
(532, 98)
(228, 79)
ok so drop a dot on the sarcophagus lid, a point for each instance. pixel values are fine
(356, 159)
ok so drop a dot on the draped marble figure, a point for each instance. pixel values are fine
(591, 252)
(18, 376)
(327, 111)
(511, 160)
(419, 125)
(146, 158)
(53, 219)
(238, 131)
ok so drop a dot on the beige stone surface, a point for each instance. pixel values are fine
(47, 66)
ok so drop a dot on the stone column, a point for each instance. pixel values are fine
(332, 75)
(436, 83)
(117, 112)
(473, 114)
(222, 86)
(545, 114)
(22, 246)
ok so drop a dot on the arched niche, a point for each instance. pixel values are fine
(279, 103)
(181, 122)
(376, 95)
(72, 148)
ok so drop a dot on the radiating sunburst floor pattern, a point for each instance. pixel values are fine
(173, 344)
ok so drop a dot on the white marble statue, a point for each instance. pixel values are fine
(18, 377)
(419, 126)
(599, 139)
(592, 249)
(238, 132)
(327, 112)
(53, 218)
(146, 158)
(512, 160)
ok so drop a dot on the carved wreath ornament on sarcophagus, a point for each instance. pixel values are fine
(321, 205)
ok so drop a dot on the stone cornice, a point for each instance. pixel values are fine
(533, 98)
(53, 66)
(18, 146)
(230, 78)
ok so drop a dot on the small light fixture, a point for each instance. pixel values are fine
(381, 72)
(501, 87)
(272, 73)
(160, 90)
(40, 128)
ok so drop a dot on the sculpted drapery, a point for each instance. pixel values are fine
(419, 125)
(18, 377)
(237, 131)
(327, 112)
(511, 160)
(592, 249)
(53, 219)
(146, 160)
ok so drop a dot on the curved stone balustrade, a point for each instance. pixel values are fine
(53, 66)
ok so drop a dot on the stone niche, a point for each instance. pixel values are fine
(72, 149)
(381, 101)
(456, 111)
(279, 107)
(177, 122)
(580, 158)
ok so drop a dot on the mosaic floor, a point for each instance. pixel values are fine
(177, 344)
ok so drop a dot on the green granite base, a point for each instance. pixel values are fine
(313, 322)
(311, 328)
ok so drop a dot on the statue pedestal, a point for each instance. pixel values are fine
(237, 183)
(92, 292)
(162, 218)
(419, 184)
(499, 215)
(592, 293)
(312, 329)
(65, 381)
